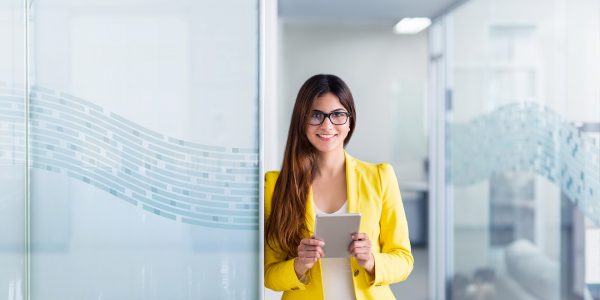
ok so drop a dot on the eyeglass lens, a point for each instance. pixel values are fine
(336, 117)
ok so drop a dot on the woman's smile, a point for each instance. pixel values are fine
(326, 137)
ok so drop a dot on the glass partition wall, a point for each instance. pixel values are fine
(13, 251)
(521, 142)
(141, 145)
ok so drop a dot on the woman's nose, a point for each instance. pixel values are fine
(327, 123)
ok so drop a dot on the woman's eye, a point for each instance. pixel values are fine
(317, 115)
(339, 114)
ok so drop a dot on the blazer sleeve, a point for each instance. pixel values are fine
(395, 261)
(279, 271)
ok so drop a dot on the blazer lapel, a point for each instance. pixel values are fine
(351, 184)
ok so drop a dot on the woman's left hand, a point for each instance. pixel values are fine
(360, 248)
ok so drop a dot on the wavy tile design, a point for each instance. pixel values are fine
(528, 137)
(197, 184)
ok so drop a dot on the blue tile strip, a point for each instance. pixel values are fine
(528, 137)
(201, 185)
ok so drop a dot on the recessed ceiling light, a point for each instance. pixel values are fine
(411, 25)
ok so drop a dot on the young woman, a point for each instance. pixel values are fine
(319, 177)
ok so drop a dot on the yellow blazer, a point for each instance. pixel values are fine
(372, 191)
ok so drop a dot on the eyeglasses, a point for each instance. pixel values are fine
(336, 117)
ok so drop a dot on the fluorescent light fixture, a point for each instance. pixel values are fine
(411, 25)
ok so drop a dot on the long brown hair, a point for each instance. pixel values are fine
(286, 224)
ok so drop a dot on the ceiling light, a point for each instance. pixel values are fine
(411, 25)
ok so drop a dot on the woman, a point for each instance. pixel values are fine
(319, 177)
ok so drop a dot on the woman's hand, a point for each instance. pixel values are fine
(360, 248)
(309, 251)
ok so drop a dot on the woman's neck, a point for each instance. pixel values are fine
(331, 163)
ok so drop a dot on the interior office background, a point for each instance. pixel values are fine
(133, 136)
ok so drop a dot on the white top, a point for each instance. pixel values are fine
(337, 279)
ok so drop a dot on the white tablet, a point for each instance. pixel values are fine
(336, 231)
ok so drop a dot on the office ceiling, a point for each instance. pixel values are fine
(378, 11)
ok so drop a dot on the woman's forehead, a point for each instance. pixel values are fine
(327, 102)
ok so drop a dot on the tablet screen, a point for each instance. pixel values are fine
(336, 231)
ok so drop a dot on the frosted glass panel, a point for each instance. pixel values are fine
(523, 150)
(144, 150)
(12, 151)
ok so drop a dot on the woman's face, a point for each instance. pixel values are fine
(327, 136)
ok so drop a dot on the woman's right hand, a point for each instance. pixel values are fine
(309, 251)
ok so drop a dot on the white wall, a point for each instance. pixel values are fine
(387, 74)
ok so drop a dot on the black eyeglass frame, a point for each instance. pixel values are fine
(328, 116)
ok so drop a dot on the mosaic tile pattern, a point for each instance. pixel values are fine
(528, 137)
(197, 184)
